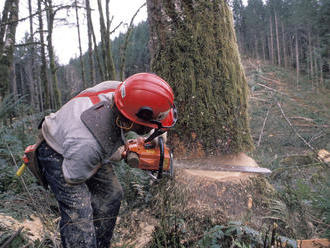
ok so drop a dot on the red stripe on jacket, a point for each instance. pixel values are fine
(94, 96)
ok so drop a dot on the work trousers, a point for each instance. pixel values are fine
(88, 210)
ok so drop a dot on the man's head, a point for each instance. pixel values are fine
(146, 100)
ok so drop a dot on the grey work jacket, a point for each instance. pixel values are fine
(65, 132)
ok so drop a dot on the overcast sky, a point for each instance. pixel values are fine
(65, 37)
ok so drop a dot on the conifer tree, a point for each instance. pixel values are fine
(193, 46)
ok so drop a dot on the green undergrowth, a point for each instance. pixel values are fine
(298, 208)
(290, 125)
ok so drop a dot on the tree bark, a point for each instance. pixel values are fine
(90, 31)
(277, 41)
(297, 59)
(7, 35)
(56, 93)
(310, 55)
(256, 46)
(291, 51)
(80, 50)
(285, 56)
(263, 48)
(43, 68)
(3, 28)
(33, 84)
(271, 40)
(109, 68)
(193, 47)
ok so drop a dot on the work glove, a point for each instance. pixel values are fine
(154, 142)
(118, 154)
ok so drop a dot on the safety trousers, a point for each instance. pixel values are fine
(88, 210)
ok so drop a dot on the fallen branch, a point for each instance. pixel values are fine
(269, 79)
(302, 118)
(263, 125)
(258, 99)
(269, 88)
(299, 136)
(7, 243)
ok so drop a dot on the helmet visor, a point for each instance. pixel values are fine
(165, 120)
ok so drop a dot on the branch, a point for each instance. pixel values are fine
(116, 27)
(124, 48)
(34, 14)
(27, 44)
(269, 88)
(263, 126)
(62, 7)
(7, 243)
(22, 19)
(300, 137)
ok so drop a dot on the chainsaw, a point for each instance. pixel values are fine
(149, 157)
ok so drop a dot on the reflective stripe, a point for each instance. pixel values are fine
(94, 96)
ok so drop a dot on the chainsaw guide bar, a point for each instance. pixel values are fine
(226, 168)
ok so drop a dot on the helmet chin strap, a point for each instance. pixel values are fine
(121, 126)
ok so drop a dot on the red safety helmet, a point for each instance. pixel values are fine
(148, 100)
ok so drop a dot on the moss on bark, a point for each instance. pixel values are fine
(194, 48)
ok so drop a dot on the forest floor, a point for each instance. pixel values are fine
(202, 208)
(290, 128)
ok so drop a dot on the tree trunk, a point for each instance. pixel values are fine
(96, 53)
(284, 48)
(4, 26)
(57, 99)
(110, 63)
(194, 48)
(33, 85)
(310, 55)
(109, 68)
(271, 40)
(277, 41)
(297, 59)
(43, 68)
(320, 62)
(90, 45)
(7, 45)
(291, 51)
(103, 36)
(263, 48)
(256, 47)
(80, 50)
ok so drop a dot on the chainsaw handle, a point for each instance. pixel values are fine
(161, 159)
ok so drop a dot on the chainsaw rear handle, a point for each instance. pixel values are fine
(161, 159)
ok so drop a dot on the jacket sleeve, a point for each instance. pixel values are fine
(82, 158)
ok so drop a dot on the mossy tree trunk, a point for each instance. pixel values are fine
(193, 46)
(9, 21)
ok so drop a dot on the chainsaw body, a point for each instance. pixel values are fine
(150, 157)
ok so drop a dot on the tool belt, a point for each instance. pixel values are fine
(31, 160)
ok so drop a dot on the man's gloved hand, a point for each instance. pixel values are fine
(154, 142)
(117, 155)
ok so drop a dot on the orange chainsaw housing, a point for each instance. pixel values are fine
(149, 157)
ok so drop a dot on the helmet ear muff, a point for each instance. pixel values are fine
(145, 113)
